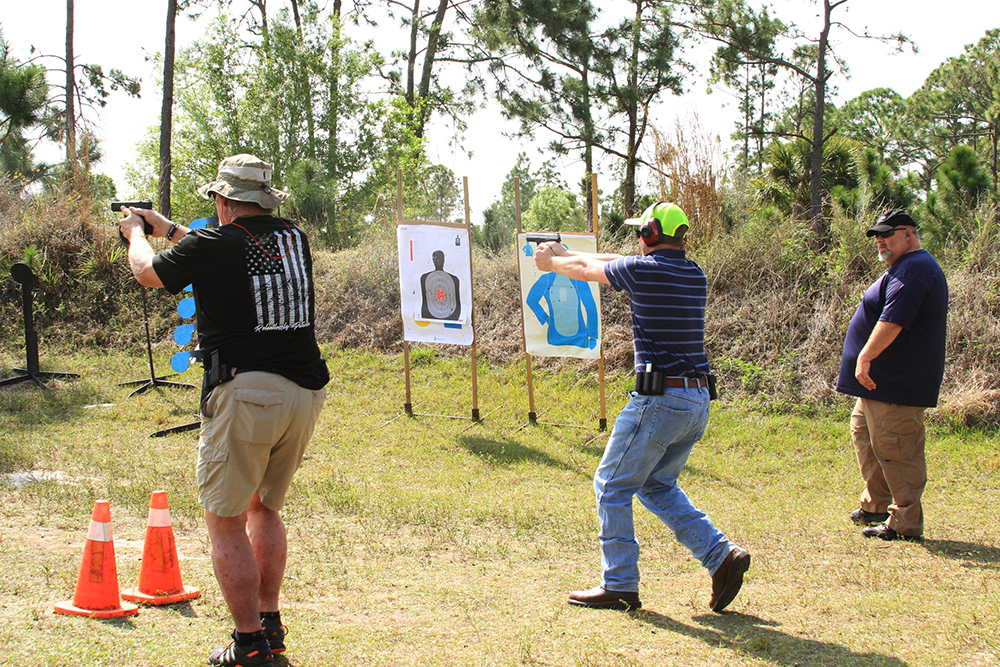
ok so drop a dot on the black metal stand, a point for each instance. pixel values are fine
(152, 381)
(183, 428)
(22, 274)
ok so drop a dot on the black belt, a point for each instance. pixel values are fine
(653, 383)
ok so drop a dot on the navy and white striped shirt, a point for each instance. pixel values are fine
(668, 293)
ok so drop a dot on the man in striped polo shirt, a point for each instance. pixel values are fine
(667, 412)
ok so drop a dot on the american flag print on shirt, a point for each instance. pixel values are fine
(279, 281)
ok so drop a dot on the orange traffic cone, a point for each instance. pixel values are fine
(96, 593)
(160, 575)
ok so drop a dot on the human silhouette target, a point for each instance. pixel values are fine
(439, 290)
(435, 281)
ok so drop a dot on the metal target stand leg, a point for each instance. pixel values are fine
(153, 380)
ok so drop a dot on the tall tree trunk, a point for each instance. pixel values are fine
(411, 59)
(816, 157)
(993, 134)
(588, 151)
(763, 118)
(430, 54)
(632, 112)
(71, 175)
(333, 147)
(167, 110)
(306, 84)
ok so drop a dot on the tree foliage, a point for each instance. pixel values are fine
(23, 96)
(743, 31)
(541, 57)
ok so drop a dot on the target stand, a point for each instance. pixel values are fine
(22, 273)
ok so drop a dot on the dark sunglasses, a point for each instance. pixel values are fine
(885, 235)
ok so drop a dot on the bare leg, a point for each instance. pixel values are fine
(236, 568)
(267, 536)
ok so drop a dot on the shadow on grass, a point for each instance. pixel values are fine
(594, 446)
(508, 453)
(26, 405)
(750, 635)
(974, 555)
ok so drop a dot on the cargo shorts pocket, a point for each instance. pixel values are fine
(258, 415)
(211, 471)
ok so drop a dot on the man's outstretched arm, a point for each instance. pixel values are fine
(587, 266)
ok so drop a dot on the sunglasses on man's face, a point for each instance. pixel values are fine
(885, 235)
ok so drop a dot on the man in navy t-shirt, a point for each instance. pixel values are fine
(893, 362)
(667, 413)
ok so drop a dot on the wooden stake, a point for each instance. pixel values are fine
(603, 422)
(532, 415)
(472, 315)
(408, 405)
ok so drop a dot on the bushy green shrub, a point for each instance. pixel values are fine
(776, 316)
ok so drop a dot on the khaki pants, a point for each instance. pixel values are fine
(889, 441)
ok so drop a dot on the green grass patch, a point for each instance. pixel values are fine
(434, 540)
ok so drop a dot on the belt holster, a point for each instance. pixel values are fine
(216, 372)
(649, 384)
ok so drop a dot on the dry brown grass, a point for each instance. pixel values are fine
(776, 317)
(690, 173)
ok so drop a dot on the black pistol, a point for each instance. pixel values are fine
(543, 238)
(116, 207)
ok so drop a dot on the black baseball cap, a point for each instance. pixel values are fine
(897, 217)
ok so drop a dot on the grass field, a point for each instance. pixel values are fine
(432, 541)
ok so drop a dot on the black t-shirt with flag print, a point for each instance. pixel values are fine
(253, 291)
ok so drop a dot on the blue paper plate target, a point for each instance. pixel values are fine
(183, 334)
(180, 361)
(186, 308)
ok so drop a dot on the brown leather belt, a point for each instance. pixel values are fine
(653, 383)
(684, 383)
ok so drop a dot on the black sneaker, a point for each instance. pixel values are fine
(863, 518)
(257, 654)
(274, 632)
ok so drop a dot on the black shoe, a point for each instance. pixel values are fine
(600, 598)
(257, 654)
(863, 518)
(728, 579)
(884, 532)
(274, 633)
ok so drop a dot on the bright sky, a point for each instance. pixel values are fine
(126, 33)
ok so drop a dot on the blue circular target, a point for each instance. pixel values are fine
(180, 361)
(183, 334)
(186, 307)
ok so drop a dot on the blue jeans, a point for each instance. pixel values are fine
(648, 447)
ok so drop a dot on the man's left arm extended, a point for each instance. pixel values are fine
(881, 337)
(574, 265)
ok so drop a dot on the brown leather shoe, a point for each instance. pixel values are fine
(884, 532)
(599, 598)
(728, 579)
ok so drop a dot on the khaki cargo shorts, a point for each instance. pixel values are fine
(254, 431)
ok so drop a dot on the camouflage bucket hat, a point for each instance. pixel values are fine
(245, 178)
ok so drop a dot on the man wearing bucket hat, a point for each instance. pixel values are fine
(666, 414)
(893, 362)
(264, 382)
